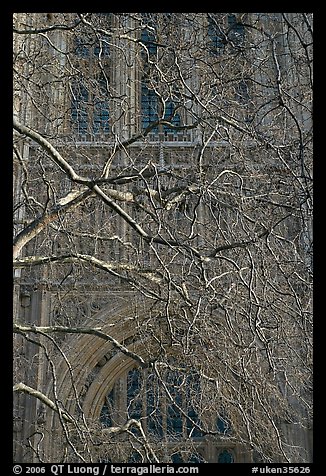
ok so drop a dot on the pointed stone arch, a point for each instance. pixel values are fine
(88, 365)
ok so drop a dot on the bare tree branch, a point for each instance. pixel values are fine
(21, 387)
(80, 330)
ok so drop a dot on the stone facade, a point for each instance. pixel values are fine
(82, 89)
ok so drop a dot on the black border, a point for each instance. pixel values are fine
(6, 201)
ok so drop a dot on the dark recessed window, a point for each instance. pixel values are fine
(225, 456)
(149, 40)
(90, 108)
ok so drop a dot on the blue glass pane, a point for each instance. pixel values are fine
(175, 119)
(168, 109)
(193, 389)
(192, 430)
(134, 404)
(81, 49)
(133, 384)
(223, 426)
(105, 417)
(101, 109)
(242, 92)
(234, 25)
(104, 50)
(135, 458)
(149, 107)
(215, 37)
(155, 420)
(155, 426)
(174, 421)
(196, 458)
(232, 20)
(101, 117)
(225, 457)
(174, 415)
(79, 113)
(149, 41)
(152, 395)
(176, 458)
(135, 410)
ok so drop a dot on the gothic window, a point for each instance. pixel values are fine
(165, 411)
(145, 397)
(90, 90)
